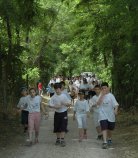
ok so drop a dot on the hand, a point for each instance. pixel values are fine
(19, 110)
(57, 106)
(45, 113)
(88, 116)
(116, 112)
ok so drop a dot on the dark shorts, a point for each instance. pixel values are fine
(60, 122)
(24, 117)
(106, 125)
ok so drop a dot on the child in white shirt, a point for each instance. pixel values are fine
(108, 109)
(81, 111)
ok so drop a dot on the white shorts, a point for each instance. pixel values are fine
(82, 121)
(95, 119)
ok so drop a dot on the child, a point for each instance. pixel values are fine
(33, 103)
(40, 88)
(95, 109)
(81, 110)
(108, 108)
(51, 90)
(24, 112)
(60, 102)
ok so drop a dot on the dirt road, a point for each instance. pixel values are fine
(90, 148)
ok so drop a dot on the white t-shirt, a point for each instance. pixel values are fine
(33, 103)
(93, 102)
(52, 81)
(22, 103)
(91, 86)
(58, 80)
(77, 83)
(106, 109)
(81, 107)
(66, 93)
(61, 99)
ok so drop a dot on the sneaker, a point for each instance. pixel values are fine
(57, 142)
(80, 139)
(99, 137)
(36, 141)
(109, 142)
(28, 142)
(62, 143)
(85, 136)
(104, 146)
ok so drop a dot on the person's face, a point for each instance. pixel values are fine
(58, 91)
(24, 93)
(32, 93)
(81, 96)
(97, 90)
(105, 89)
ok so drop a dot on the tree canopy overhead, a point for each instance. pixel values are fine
(39, 39)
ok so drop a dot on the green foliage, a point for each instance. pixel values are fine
(40, 39)
(33, 75)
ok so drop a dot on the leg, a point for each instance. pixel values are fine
(99, 132)
(58, 139)
(104, 128)
(84, 123)
(98, 129)
(81, 132)
(109, 134)
(37, 125)
(111, 126)
(104, 132)
(31, 127)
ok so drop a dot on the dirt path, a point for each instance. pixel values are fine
(90, 148)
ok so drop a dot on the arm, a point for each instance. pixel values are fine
(116, 109)
(43, 108)
(92, 103)
(88, 114)
(115, 104)
(87, 110)
(53, 104)
(100, 100)
(74, 115)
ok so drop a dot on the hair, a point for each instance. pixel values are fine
(62, 83)
(81, 92)
(23, 89)
(84, 80)
(32, 89)
(97, 86)
(104, 84)
(57, 85)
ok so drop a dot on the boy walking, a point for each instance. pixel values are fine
(60, 102)
(108, 108)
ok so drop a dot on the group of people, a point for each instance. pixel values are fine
(84, 95)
